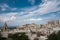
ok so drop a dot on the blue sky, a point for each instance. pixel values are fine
(19, 12)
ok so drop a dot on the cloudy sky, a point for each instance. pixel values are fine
(19, 12)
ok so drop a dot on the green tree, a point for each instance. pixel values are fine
(3, 38)
(52, 36)
(0, 35)
(19, 36)
(58, 35)
(36, 39)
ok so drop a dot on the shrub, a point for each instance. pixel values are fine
(19, 36)
(54, 36)
(36, 39)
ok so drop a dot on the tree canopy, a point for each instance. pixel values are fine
(54, 36)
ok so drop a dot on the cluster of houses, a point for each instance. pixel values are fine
(34, 30)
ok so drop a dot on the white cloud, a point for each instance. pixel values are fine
(32, 1)
(13, 9)
(47, 7)
(33, 19)
(4, 7)
(27, 13)
(11, 14)
(7, 17)
(13, 17)
(29, 9)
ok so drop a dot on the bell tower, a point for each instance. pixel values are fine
(5, 27)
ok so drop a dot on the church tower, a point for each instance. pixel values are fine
(5, 27)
